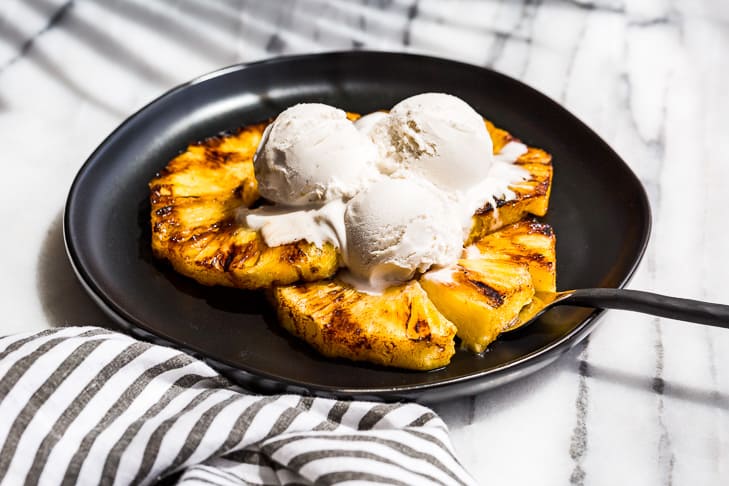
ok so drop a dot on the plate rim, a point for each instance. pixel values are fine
(135, 326)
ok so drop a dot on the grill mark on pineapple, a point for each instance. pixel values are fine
(409, 316)
(247, 254)
(540, 189)
(535, 227)
(322, 304)
(211, 231)
(488, 207)
(164, 211)
(343, 329)
(494, 297)
(214, 158)
(536, 186)
(292, 254)
(340, 319)
(229, 257)
(528, 257)
(208, 237)
(421, 327)
(217, 261)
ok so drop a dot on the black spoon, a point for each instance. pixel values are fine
(634, 300)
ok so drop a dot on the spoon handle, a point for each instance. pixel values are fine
(649, 303)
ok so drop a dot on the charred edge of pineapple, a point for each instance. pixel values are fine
(222, 136)
(537, 227)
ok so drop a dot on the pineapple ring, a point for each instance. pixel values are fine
(194, 201)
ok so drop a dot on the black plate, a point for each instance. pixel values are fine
(598, 209)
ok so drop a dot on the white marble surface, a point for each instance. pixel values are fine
(645, 401)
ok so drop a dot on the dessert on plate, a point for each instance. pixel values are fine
(377, 238)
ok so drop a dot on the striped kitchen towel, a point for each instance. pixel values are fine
(85, 405)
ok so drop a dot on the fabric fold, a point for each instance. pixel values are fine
(85, 405)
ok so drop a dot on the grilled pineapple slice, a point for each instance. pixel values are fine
(194, 202)
(484, 293)
(481, 297)
(532, 195)
(527, 242)
(399, 328)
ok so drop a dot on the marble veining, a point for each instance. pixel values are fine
(578, 441)
(644, 401)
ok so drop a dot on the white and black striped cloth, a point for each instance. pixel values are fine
(85, 405)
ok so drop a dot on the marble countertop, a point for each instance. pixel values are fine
(643, 400)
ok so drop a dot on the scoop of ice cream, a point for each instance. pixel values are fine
(312, 153)
(438, 136)
(396, 227)
(367, 123)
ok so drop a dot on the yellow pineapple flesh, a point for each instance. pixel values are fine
(481, 297)
(401, 327)
(484, 293)
(528, 242)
